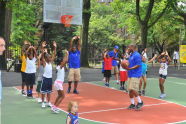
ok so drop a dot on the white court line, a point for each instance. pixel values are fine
(119, 91)
(143, 96)
(178, 83)
(67, 112)
(177, 122)
(123, 108)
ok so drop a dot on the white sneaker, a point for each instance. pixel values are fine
(162, 96)
(43, 105)
(39, 100)
(55, 110)
(49, 104)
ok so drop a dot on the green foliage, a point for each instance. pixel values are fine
(116, 23)
(24, 18)
(104, 26)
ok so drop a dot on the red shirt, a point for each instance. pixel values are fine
(107, 63)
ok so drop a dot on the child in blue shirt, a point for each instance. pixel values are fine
(72, 117)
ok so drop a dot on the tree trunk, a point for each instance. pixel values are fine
(2, 17)
(85, 29)
(184, 40)
(3, 65)
(144, 34)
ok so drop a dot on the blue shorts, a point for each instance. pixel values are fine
(163, 76)
(30, 79)
(46, 85)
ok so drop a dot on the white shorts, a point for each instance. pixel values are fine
(58, 85)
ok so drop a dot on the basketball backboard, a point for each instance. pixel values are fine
(54, 9)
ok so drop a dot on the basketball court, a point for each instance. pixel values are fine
(99, 104)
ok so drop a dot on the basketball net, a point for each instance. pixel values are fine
(66, 20)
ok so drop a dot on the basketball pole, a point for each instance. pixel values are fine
(81, 33)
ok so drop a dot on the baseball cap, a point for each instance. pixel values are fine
(116, 47)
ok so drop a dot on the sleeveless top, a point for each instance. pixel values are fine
(48, 70)
(163, 68)
(60, 74)
(74, 118)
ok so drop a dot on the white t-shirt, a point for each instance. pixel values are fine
(121, 68)
(163, 68)
(175, 55)
(60, 74)
(144, 54)
(30, 65)
(48, 70)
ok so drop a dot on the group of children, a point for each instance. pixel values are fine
(44, 60)
(164, 60)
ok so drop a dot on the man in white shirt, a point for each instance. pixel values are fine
(2, 49)
(175, 58)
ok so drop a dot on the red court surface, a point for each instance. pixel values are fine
(108, 105)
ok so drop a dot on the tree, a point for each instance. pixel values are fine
(146, 23)
(179, 7)
(5, 22)
(85, 32)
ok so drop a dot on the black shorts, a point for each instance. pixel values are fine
(23, 76)
(107, 73)
(30, 79)
(163, 76)
(175, 61)
(46, 86)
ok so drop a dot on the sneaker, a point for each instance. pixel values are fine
(23, 93)
(55, 110)
(132, 106)
(68, 91)
(107, 84)
(49, 104)
(139, 92)
(143, 92)
(139, 106)
(162, 96)
(75, 91)
(43, 105)
(29, 96)
(39, 100)
(121, 88)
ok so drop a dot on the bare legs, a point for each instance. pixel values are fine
(60, 97)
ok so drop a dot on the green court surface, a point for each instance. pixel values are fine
(16, 109)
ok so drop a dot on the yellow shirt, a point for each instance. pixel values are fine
(23, 65)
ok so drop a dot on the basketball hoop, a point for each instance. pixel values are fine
(66, 20)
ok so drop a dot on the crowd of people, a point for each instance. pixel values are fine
(37, 66)
(130, 66)
(133, 69)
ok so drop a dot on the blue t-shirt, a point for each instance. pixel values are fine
(74, 118)
(135, 59)
(74, 59)
(144, 68)
(115, 55)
